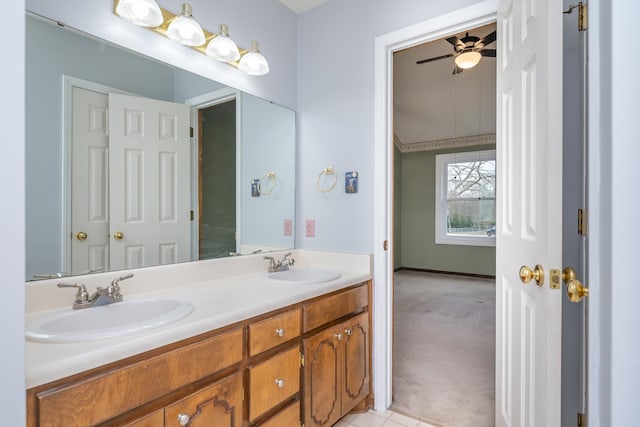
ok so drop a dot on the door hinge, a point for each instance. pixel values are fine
(191, 215)
(301, 360)
(582, 420)
(191, 132)
(583, 20)
(582, 222)
(385, 245)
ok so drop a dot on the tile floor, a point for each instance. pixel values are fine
(380, 419)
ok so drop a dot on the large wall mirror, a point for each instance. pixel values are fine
(115, 177)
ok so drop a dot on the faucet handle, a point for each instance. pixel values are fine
(115, 284)
(82, 296)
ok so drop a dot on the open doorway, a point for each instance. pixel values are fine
(444, 230)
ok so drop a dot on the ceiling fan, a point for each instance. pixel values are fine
(467, 51)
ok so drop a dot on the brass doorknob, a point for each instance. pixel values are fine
(118, 235)
(575, 289)
(81, 235)
(527, 274)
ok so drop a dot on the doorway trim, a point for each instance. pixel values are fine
(385, 45)
(197, 103)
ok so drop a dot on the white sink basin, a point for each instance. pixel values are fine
(106, 321)
(303, 276)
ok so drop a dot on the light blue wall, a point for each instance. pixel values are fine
(335, 111)
(267, 146)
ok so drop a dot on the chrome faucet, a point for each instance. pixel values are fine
(282, 265)
(102, 296)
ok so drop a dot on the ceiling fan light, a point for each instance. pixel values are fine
(253, 63)
(468, 60)
(145, 13)
(222, 47)
(186, 30)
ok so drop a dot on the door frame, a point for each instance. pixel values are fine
(197, 103)
(68, 83)
(482, 13)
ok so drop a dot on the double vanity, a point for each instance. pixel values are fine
(214, 343)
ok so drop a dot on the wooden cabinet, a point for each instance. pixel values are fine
(273, 381)
(244, 375)
(337, 371)
(218, 405)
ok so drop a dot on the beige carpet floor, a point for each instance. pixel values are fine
(444, 351)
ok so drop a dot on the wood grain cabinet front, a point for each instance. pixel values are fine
(218, 405)
(287, 417)
(336, 372)
(273, 381)
(269, 333)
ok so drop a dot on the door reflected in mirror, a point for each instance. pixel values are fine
(114, 179)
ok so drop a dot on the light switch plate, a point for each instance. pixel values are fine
(310, 228)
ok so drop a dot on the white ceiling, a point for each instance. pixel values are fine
(300, 6)
(431, 104)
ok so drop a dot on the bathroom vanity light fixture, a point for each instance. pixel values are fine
(222, 47)
(145, 13)
(468, 60)
(184, 29)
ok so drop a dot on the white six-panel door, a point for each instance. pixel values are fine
(90, 182)
(149, 179)
(529, 232)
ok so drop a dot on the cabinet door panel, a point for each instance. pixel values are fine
(356, 361)
(219, 405)
(322, 378)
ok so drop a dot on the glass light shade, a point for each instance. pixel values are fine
(145, 13)
(468, 60)
(184, 29)
(253, 63)
(222, 47)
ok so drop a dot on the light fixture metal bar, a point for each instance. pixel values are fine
(168, 17)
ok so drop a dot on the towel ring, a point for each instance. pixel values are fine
(266, 178)
(326, 172)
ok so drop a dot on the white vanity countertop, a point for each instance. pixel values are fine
(223, 299)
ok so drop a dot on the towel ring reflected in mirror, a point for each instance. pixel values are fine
(267, 178)
(324, 177)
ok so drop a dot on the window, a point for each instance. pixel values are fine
(466, 198)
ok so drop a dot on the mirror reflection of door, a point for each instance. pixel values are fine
(140, 148)
(217, 180)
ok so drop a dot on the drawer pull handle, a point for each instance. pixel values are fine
(280, 332)
(339, 336)
(280, 383)
(183, 419)
(348, 332)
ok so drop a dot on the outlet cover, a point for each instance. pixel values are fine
(310, 228)
(288, 225)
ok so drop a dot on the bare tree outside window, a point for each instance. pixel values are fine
(466, 198)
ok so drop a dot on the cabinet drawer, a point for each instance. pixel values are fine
(218, 405)
(154, 419)
(273, 381)
(288, 417)
(334, 307)
(270, 332)
(117, 390)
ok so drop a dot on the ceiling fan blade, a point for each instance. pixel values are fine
(457, 70)
(456, 42)
(488, 52)
(489, 38)
(422, 61)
